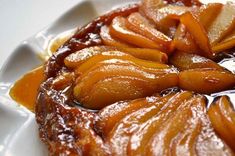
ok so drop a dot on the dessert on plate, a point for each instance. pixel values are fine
(154, 78)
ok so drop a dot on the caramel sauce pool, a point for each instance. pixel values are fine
(25, 90)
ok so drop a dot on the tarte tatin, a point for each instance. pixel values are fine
(154, 78)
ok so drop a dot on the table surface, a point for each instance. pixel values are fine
(21, 19)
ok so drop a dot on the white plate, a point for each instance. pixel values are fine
(18, 130)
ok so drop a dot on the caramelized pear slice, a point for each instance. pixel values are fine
(208, 142)
(128, 80)
(109, 40)
(124, 128)
(76, 59)
(139, 24)
(164, 16)
(225, 44)
(141, 137)
(183, 40)
(164, 137)
(146, 54)
(184, 143)
(223, 24)
(150, 8)
(119, 30)
(206, 80)
(112, 114)
(118, 55)
(186, 61)
(207, 13)
(198, 33)
(222, 117)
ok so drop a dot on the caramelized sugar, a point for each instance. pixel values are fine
(25, 89)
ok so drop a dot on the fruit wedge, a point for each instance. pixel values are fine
(118, 55)
(225, 44)
(109, 40)
(74, 60)
(164, 16)
(184, 143)
(186, 61)
(208, 141)
(222, 117)
(146, 54)
(77, 58)
(139, 24)
(198, 33)
(115, 80)
(150, 8)
(141, 137)
(223, 24)
(112, 114)
(131, 123)
(119, 30)
(206, 80)
(183, 40)
(207, 13)
(164, 137)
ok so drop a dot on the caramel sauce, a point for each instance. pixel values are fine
(25, 90)
(59, 40)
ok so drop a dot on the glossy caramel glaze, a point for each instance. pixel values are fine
(25, 90)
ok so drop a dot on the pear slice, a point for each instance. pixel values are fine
(222, 117)
(112, 114)
(164, 136)
(196, 29)
(131, 123)
(223, 24)
(207, 14)
(183, 40)
(117, 55)
(139, 24)
(109, 40)
(225, 44)
(119, 30)
(186, 61)
(206, 80)
(115, 80)
(208, 141)
(76, 59)
(141, 137)
(164, 16)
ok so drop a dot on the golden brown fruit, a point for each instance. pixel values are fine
(118, 55)
(139, 24)
(207, 14)
(164, 136)
(164, 16)
(222, 116)
(112, 114)
(225, 44)
(120, 135)
(146, 54)
(206, 80)
(109, 40)
(223, 24)
(76, 59)
(119, 30)
(185, 61)
(114, 80)
(144, 133)
(198, 33)
(183, 40)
